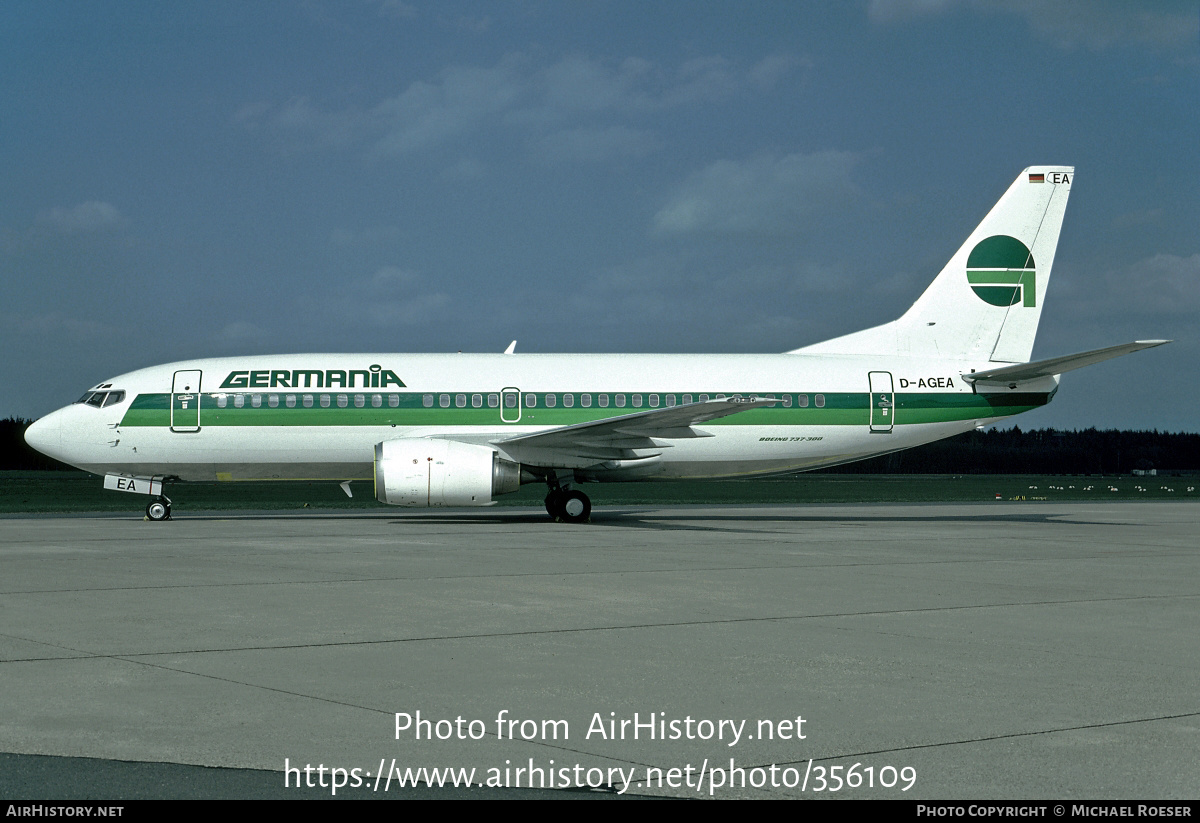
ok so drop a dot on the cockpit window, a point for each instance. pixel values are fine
(100, 399)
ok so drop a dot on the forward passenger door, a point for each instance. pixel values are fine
(185, 402)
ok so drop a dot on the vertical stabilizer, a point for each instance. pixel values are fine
(987, 301)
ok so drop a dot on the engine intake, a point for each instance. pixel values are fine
(425, 473)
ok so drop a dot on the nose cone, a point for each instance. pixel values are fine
(45, 435)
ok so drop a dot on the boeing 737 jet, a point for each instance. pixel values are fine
(460, 429)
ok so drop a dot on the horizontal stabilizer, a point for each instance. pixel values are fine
(1057, 365)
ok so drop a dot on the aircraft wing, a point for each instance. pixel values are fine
(1021, 372)
(613, 437)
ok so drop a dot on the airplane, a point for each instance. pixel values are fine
(435, 430)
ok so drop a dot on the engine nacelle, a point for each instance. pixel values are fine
(421, 473)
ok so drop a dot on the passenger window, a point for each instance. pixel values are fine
(620, 401)
(604, 401)
(704, 398)
(460, 400)
(376, 400)
(550, 401)
(343, 401)
(476, 401)
(256, 400)
(820, 399)
(222, 401)
(324, 401)
(307, 400)
(394, 400)
(290, 400)
(585, 400)
(568, 400)
(427, 401)
(530, 401)
(359, 401)
(687, 398)
(802, 401)
(670, 400)
(787, 401)
(510, 401)
(444, 401)
(493, 401)
(273, 401)
(239, 400)
(654, 401)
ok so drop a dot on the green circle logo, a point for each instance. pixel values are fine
(1001, 272)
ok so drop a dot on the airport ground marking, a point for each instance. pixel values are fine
(130, 656)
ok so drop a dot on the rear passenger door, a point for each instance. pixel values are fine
(883, 402)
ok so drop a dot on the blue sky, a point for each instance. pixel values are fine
(197, 179)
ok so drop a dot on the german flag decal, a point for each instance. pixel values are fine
(1037, 178)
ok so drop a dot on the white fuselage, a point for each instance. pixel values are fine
(320, 416)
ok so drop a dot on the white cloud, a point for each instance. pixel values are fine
(396, 9)
(469, 23)
(887, 11)
(467, 168)
(1100, 24)
(301, 125)
(684, 299)
(762, 195)
(391, 296)
(85, 218)
(1096, 24)
(515, 93)
(240, 333)
(391, 281)
(1136, 219)
(54, 326)
(368, 236)
(417, 310)
(594, 145)
(1165, 285)
(460, 100)
(578, 83)
(771, 69)
(299, 115)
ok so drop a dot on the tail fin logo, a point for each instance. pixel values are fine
(1000, 271)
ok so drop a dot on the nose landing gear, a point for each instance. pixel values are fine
(158, 509)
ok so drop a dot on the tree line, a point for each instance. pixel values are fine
(1041, 451)
(993, 451)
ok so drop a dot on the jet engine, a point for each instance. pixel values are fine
(421, 473)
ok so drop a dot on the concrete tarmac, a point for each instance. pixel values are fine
(998, 651)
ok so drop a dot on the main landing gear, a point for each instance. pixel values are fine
(564, 504)
(159, 509)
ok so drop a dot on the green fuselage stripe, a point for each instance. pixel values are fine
(840, 409)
